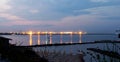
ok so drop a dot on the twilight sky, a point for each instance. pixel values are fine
(60, 15)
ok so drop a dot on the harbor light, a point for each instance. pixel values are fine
(80, 32)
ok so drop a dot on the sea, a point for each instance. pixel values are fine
(24, 40)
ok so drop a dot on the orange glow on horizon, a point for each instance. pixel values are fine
(67, 32)
(61, 32)
(29, 32)
(38, 32)
(80, 32)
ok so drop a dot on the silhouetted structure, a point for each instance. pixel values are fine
(4, 42)
(18, 54)
(118, 35)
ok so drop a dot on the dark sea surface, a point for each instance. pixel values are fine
(24, 40)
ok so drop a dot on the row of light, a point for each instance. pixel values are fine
(30, 32)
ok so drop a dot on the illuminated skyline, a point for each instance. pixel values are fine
(60, 15)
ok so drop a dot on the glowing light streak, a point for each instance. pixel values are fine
(71, 35)
(61, 33)
(46, 37)
(80, 37)
(50, 37)
(30, 39)
(38, 38)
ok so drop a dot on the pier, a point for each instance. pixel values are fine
(49, 36)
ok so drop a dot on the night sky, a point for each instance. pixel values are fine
(60, 15)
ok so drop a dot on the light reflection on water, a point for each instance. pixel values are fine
(18, 39)
(35, 39)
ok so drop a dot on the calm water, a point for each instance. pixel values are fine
(24, 39)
